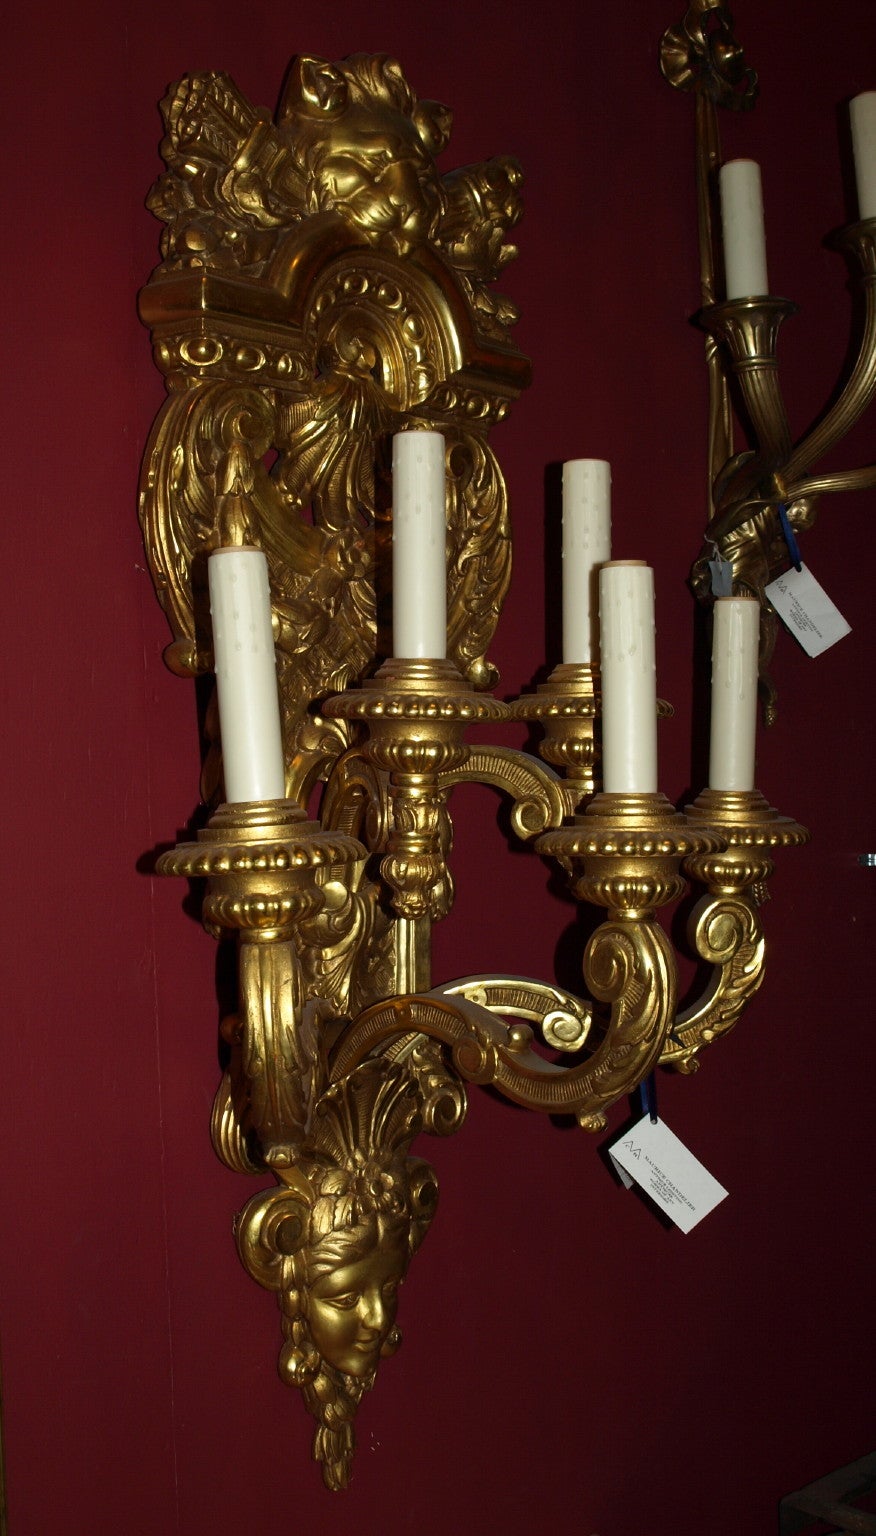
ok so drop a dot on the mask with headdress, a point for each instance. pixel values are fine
(334, 1240)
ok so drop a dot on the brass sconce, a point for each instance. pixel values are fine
(322, 289)
(752, 493)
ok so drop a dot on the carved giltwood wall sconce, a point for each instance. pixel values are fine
(324, 288)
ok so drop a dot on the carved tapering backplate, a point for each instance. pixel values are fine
(322, 287)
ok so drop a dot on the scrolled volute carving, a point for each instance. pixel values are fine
(726, 932)
(562, 1019)
(444, 1098)
(629, 965)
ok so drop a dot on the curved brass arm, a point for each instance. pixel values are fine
(844, 480)
(860, 243)
(748, 329)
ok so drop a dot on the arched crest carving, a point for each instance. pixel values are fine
(322, 287)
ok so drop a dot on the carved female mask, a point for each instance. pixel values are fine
(335, 1240)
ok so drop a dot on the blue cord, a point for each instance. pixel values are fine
(790, 540)
(648, 1097)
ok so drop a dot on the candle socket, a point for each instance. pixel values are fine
(567, 706)
(415, 712)
(743, 815)
(748, 329)
(858, 244)
(260, 859)
(263, 861)
(748, 826)
(624, 853)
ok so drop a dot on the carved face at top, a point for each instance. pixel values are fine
(351, 1309)
(379, 178)
(366, 147)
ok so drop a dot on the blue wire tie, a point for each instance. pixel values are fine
(648, 1097)
(790, 540)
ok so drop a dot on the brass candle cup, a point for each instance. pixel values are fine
(624, 853)
(261, 860)
(566, 707)
(749, 828)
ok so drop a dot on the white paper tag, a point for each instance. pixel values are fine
(651, 1156)
(626, 1178)
(807, 610)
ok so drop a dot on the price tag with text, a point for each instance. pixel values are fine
(651, 1156)
(807, 610)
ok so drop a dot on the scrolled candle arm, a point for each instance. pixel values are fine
(262, 861)
(725, 926)
(630, 966)
(858, 243)
(540, 799)
(748, 330)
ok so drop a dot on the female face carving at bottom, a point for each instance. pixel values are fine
(352, 1308)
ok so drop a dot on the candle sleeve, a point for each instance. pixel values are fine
(419, 545)
(735, 639)
(246, 675)
(586, 546)
(742, 226)
(629, 686)
(862, 115)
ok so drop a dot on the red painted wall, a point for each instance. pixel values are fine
(569, 1363)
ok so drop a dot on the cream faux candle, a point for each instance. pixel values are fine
(734, 693)
(246, 675)
(419, 558)
(586, 546)
(743, 229)
(862, 115)
(629, 686)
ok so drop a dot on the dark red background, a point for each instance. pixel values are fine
(569, 1363)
